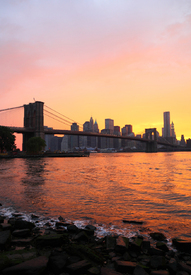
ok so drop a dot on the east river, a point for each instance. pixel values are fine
(103, 190)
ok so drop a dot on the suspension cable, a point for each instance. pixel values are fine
(11, 108)
(63, 115)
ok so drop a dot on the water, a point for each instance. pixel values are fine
(103, 190)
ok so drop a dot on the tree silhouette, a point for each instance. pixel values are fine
(7, 139)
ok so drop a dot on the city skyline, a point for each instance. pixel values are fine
(124, 60)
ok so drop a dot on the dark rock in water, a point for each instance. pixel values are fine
(135, 222)
(60, 218)
(33, 216)
(158, 236)
(32, 267)
(5, 239)
(0, 204)
(61, 224)
(17, 215)
(162, 246)
(182, 245)
(2, 219)
(72, 228)
(79, 267)
(21, 233)
(90, 227)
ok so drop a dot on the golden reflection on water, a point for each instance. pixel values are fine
(154, 188)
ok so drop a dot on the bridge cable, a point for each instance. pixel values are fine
(11, 108)
(66, 121)
(63, 115)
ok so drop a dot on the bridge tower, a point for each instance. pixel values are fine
(152, 143)
(34, 120)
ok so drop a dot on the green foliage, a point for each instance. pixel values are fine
(7, 139)
(35, 145)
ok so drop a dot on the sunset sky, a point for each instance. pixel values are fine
(121, 59)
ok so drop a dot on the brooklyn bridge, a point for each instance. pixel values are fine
(34, 126)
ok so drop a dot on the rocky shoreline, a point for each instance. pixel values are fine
(67, 249)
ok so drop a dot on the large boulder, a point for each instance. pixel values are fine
(32, 267)
(5, 239)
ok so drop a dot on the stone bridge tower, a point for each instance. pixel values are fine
(34, 120)
(152, 143)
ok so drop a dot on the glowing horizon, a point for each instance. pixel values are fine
(122, 60)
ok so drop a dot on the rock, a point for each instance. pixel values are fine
(1, 219)
(182, 273)
(146, 245)
(121, 244)
(136, 244)
(33, 216)
(60, 218)
(110, 242)
(72, 228)
(0, 204)
(184, 267)
(159, 272)
(94, 271)
(172, 266)
(5, 226)
(134, 222)
(90, 227)
(162, 246)
(22, 242)
(109, 271)
(158, 262)
(81, 266)
(21, 224)
(125, 266)
(57, 262)
(182, 245)
(52, 240)
(82, 236)
(31, 267)
(21, 233)
(61, 224)
(158, 236)
(139, 271)
(155, 251)
(5, 239)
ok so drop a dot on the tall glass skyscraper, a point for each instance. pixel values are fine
(166, 124)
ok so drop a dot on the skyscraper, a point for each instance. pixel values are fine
(167, 127)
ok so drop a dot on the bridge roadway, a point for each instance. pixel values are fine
(81, 133)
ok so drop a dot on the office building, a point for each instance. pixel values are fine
(167, 128)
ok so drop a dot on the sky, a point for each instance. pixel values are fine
(121, 59)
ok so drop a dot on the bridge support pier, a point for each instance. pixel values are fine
(151, 145)
(33, 119)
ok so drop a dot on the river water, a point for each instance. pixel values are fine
(103, 190)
